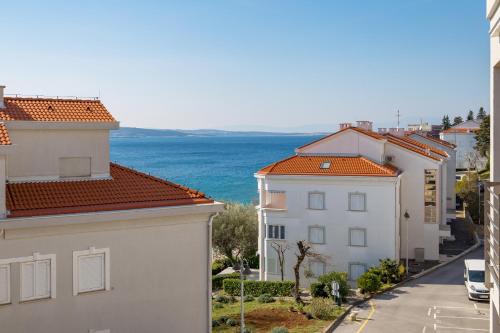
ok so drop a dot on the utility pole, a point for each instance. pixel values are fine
(398, 115)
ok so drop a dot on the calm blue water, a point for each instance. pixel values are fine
(222, 167)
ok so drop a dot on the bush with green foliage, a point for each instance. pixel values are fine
(218, 280)
(390, 271)
(219, 265)
(369, 282)
(281, 329)
(265, 298)
(257, 288)
(231, 322)
(222, 299)
(322, 308)
(248, 298)
(218, 306)
(215, 323)
(318, 290)
(340, 277)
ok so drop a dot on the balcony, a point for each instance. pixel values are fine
(491, 232)
(275, 200)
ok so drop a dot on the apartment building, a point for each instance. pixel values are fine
(92, 246)
(357, 196)
(492, 206)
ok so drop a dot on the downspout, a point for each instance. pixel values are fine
(209, 271)
(397, 217)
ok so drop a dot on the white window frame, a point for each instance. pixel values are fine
(365, 238)
(364, 201)
(8, 299)
(309, 200)
(33, 259)
(357, 264)
(316, 227)
(311, 262)
(107, 265)
(280, 226)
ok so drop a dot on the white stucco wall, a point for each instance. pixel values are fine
(465, 143)
(380, 220)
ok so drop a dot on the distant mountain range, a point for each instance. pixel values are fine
(133, 132)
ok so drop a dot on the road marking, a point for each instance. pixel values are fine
(454, 317)
(461, 328)
(452, 307)
(475, 306)
(424, 329)
(367, 318)
(429, 312)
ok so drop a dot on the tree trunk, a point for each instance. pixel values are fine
(296, 269)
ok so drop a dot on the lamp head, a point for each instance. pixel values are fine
(406, 215)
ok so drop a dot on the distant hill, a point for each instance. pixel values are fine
(133, 132)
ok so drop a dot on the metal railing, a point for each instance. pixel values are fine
(492, 232)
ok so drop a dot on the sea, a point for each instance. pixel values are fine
(222, 167)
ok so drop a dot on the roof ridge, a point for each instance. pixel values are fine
(371, 134)
(405, 145)
(422, 145)
(57, 98)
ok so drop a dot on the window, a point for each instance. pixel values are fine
(74, 167)
(275, 200)
(317, 268)
(91, 270)
(272, 267)
(275, 231)
(357, 237)
(430, 196)
(38, 277)
(325, 165)
(5, 284)
(357, 202)
(316, 200)
(356, 270)
(317, 235)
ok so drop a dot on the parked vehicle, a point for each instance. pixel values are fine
(474, 280)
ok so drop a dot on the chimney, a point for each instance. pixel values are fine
(364, 124)
(344, 126)
(397, 131)
(2, 104)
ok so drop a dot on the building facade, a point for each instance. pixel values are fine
(91, 246)
(347, 194)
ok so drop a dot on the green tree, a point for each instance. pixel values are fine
(457, 120)
(235, 231)
(483, 138)
(481, 114)
(470, 115)
(446, 122)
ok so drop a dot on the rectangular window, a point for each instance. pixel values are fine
(35, 279)
(275, 231)
(316, 200)
(5, 284)
(317, 268)
(357, 237)
(275, 199)
(357, 202)
(272, 267)
(430, 196)
(74, 167)
(356, 270)
(91, 270)
(317, 235)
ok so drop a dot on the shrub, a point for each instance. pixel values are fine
(340, 278)
(218, 280)
(218, 306)
(215, 323)
(231, 322)
(257, 288)
(265, 298)
(224, 299)
(248, 298)
(318, 290)
(279, 330)
(322, 308)
(247, 330)
(369, 282)
(219, 265)
(389, 271)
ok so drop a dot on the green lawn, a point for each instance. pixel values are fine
(263, 317)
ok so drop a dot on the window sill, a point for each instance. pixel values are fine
(274, 209)
(92, 292)
(362, 246)
(357, 211)
(34, 300)
(276, 239)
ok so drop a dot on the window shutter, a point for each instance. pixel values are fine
(316, 200)
(357, 201)
(4, 284)
(271, 265)
(27, 280)
(356, 271)
(357, 237)
(317, 235)
(91, 272)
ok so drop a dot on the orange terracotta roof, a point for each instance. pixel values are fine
(339, 166)
(395, 140)
(422, 145)
(128, 189)
(48, 109)
(357, 129)
(436, 140)
(4, 136)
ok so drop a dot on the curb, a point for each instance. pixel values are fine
(341, 318)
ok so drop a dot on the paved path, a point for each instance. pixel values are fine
(434, 303)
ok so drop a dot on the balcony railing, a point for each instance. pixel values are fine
(492, 232)
(275, 200)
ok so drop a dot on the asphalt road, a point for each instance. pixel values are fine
(436, 302)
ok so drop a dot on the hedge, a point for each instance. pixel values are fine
(257, 288)
(217, 280)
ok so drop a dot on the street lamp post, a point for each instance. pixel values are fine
(244, 270)
(407, 218)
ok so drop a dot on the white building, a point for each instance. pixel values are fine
(91, 246)
(463, 137)
(347, 194)
(492, 206)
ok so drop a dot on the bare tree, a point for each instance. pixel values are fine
(281, 248)
(305, 251)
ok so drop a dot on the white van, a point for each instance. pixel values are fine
(474, 280)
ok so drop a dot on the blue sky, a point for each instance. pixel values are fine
(287, 65)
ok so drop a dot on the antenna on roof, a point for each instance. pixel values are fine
(399, 116)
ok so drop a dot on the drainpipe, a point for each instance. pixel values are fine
(209, 270)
